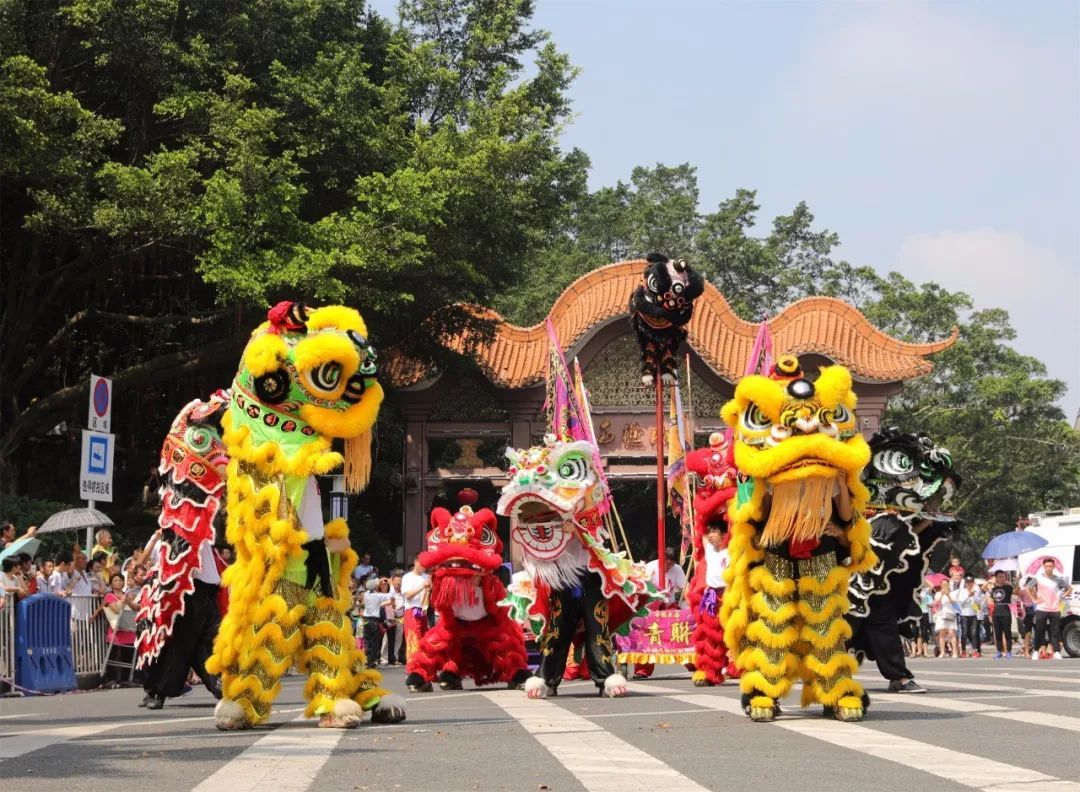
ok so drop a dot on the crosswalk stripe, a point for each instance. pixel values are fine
(601, 761)
(287, 759)
(1006, 676)
(967, 769)
(989, 710)
(1054, 692)
(16, 744)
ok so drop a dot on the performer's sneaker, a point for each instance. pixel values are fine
(911, 686)
(146, 699)
(155, 702)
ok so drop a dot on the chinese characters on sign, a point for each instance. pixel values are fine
(660, 636)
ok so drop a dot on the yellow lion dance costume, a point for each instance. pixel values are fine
(798, 534)
(304, 378)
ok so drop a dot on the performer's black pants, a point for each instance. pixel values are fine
(191, 644)
(1046, 621)
(883, 635)
(1003, 629)
(568, 608)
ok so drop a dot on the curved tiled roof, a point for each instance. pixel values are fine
(516, 357)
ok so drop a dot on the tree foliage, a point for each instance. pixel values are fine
(171, 166)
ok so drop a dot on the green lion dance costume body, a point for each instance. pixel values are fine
(798, 534)
(304, 379)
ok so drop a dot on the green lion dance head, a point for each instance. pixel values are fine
(307, 376)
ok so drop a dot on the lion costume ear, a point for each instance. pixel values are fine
(440, 517)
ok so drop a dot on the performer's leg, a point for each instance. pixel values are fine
(823, 601)
(503, 645)
(555, 642)
(768, 661)
(883, 635)
(710, 653)
(427, 659)
(327, 659)
(415, 625)
(168, 674)
(269, 637)
(599, 650)
(208, 621)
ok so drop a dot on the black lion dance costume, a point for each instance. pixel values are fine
(660, 309)
(910, 480)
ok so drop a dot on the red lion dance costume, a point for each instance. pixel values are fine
(474, 636)
(715, 468)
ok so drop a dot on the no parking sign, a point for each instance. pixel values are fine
(99, 418)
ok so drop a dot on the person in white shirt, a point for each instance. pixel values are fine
(415, 590)
(972, 601)
(674, 577)
(58, 580)
(376, 603)
(79, 588)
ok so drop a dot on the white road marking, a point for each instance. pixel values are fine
(17, 743)
(23, 715)
(601, 761)
(1006, 676)
(287, 759)
(1054, 692)
(932, 701)
(973, 771)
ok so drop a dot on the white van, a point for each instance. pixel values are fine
(1061, 530)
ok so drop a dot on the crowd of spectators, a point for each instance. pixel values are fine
(961, 614)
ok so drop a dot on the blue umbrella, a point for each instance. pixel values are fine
(1012, 544)
(26, 544)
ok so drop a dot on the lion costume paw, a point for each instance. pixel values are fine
(390, 709)
(537, 688)
(230, 716)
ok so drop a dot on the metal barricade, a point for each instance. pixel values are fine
(88, 642)
(7, 645)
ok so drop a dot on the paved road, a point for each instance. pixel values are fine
(986, 725)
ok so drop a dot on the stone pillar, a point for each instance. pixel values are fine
(414, 519)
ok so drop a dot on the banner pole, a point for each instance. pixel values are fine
(661, 542)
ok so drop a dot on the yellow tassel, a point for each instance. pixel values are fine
(837, 580)
(801, 510)
(358, 462)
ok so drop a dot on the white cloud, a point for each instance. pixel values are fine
(1000, 269)
(926, 60)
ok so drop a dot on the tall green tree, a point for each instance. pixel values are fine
(171, 166)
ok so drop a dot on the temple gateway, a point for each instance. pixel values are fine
(457, 425)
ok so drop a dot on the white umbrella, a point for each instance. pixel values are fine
(1005, 565)
(75, 520)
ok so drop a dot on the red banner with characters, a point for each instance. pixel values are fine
(661, 636)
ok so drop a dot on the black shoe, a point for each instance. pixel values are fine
(517, 682)
(416, 683)
(448, 681)
(154, 702)
(911, 686)
(146, 699)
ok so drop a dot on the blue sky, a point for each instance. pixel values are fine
(941, 140)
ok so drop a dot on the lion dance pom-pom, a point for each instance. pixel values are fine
(305, 378)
